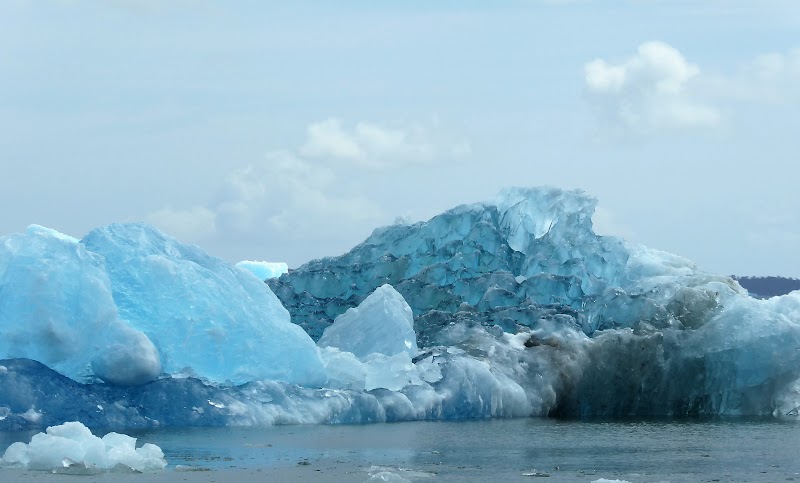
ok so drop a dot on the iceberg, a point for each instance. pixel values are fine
(72, 448)
(382, 323)
(264, 270)
(56, 307)
(608, 328)
(507, 308)
(128, 302)
(371, 346)
(201, 312)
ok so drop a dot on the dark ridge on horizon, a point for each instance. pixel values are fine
(769, 286)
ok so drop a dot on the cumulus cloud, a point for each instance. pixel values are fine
(194, 223)
(286, 193)
(657, 88)
(605, 222)
(770, 77)
(311, 191)
(371, 145)
(651, 90)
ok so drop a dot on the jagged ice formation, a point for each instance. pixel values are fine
(518, 308)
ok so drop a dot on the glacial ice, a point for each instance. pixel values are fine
(517, 307)
(382, 323)
(264, 270)
(56, 307)
(128, 302)
(608, 328)
(201, 312)
(371, 346)
(72, 448)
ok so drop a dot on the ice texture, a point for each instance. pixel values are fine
(264, 270)
(72, 448)
(382, 323)
(578, 324)
(200, 311)
(371, 346)
(519, 309)
(56, 307)
(128, 302)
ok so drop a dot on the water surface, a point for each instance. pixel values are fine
(497, 450)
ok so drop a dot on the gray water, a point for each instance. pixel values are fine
(502, 450)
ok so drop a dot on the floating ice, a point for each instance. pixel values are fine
(375, 371)
(127, 302)
(518, 308)
(387, 476)
(382, 323)
(201, 312)
(72, 448)
(579, 324)
(56, 307)
(264, 270)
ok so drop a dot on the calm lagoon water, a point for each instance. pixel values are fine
(500, 450)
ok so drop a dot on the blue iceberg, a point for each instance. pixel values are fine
(507, 308)
(127, 303)
(56, 307)
(264, 270)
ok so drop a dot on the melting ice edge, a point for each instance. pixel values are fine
(507, 308)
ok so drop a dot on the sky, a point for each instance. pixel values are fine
(288, 131)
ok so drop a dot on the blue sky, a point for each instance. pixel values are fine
(288, 131)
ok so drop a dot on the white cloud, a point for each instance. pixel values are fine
(771, 77)
(286, 193)
(371, 145)
(649, 91)
(195, 223)
(657, 88)
(604, 222)
(292, 195)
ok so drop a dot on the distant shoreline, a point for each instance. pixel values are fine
(767, 287)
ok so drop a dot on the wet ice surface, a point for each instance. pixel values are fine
(497, 450)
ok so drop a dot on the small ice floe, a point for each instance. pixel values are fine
(536, 474)
(395, 475)
(72, 448)
(387, 476)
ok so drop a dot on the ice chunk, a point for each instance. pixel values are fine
(113, 363)
(390, 372)
(387, 476)
(264, 270)
(344, 370)
(375, 371)
(56, 307)
(382, 323)
(34, 229)
(71, 447)
(128, 301)
(201, 312)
